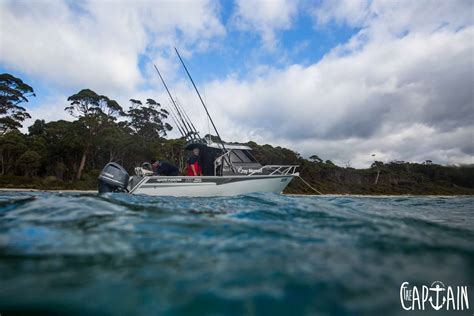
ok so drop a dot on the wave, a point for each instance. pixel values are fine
(322, 254)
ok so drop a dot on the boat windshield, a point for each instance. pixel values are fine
(241, 156)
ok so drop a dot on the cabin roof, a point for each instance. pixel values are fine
(228, 146)
(207, 143)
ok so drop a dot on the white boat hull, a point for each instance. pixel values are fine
(210, 186)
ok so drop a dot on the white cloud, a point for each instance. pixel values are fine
(350, 12)
(401, 87)
(71, 45)
(51, 109)
(405, 93)
(380, 19)
(98, 43)
(265, 17)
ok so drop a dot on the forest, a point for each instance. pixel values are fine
(60, 155)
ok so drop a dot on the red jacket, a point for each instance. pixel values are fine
(194, 161)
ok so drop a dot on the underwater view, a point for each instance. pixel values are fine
(258, 254)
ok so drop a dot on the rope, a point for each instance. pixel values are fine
(309, 185)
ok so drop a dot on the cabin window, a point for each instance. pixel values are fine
(234, 157)
(242, 157)
(239, 156)
(249, 155)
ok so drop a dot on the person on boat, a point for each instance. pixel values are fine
(194, 166)
(164, 168)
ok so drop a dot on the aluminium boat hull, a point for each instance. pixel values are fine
(210, 185)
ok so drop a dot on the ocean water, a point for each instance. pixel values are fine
(260, 254)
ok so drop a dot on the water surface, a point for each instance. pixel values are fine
(261, 254)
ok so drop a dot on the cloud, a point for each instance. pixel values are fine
(381, 19)
(406, 93)
(401, 87)
(68, 45)
(350, 12)
(98, 43)
(51, 109)
(407, 80)
(265, 17)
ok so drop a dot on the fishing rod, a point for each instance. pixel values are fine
(187, 120)
(176, 123)
(180, 125)
(205, 108)
(200, 98)
(187, 117)
(188, 132)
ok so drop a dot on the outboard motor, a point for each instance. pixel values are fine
(113, 178)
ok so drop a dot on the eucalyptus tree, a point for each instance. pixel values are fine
(147, 127)
(64, 142)
(29, 162)
(95, 112)
(13, 92)
(148, 120)
(315, 159)
(12, 145)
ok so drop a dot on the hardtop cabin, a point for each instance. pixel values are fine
(237, 160)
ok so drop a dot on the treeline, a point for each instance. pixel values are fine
(395, 177)
(52, 154)
(70, 154)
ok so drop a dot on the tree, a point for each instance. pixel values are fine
(29, 162)
(378, 165)
(65, 143)
(115, 141)
(13, 91)
(38, 128)
(329, 162)
(148, 120)
(12, 145)
(315, 159)
(95, 112)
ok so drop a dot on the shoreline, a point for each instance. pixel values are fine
(285, 194)
(379, 195)
(39, 190)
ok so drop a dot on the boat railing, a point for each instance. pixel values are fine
(277, 170)
(142, 172)
(271, 169)
(218, 161)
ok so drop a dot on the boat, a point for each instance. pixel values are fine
(239, 174)
(227, 168)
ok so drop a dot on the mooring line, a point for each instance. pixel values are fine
(309, 185)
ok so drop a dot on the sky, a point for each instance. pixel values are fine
(342, 79)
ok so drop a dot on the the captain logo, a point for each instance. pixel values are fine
(437, 296)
